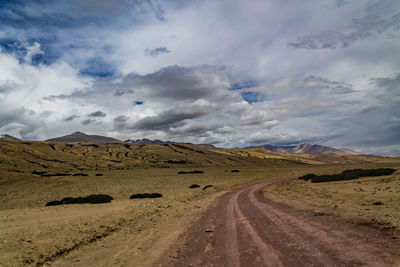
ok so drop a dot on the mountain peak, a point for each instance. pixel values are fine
(8, 137)
(309, 149)
(82, 137)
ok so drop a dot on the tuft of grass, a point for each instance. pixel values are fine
(80, 174)
(190, 172)
(54, 174)
(146, 195)
(347, 175)
(207, 186)
(92, 199)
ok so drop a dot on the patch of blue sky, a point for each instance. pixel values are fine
(97, 67)
(242, 85)
(253, 97)
(137, 103)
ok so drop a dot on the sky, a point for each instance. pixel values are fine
(232, 73)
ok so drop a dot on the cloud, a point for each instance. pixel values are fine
(378, 18)
(72, 117)
(98, 113)
(241, 75)
(175, 117)
(87, 122)
(155, 52)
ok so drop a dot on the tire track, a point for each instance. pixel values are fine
(250, 230)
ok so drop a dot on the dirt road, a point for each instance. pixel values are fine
(244, 228)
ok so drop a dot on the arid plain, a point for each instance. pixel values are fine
(136, 232)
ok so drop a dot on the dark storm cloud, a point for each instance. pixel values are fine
(72, 117)
(121, 119)
(98, 113)
(87, 122)
(175, 117)
(378, 18)
(178, 83)
(77, 94)
(155, 52)
(121, 92)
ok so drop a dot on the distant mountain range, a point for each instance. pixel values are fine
(308, 149)
(8, 137)
(145, 141)
(81, 137)
(300, 149)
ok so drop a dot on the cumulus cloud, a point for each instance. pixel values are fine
(98, 113)
(159, 69)
(155, 52)
(175, 117)
(379, 17)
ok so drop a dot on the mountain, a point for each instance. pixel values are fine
(81, 137)
(8, 137)
(308, 149)
(145, 141)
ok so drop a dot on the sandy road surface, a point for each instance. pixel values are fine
(243, 228)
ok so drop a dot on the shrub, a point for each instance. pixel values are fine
(307, 177)
(194, 186)
(188, 172)
(235, 171)
(38, 172)
(80, 174)
(349, 175)
(146, 195)
(207, 186)
(91, 199)
(54, 174)
(54, 203)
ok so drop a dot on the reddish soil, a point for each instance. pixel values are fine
(243, 228)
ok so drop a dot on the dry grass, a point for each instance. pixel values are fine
(373, 201)
(123, 232)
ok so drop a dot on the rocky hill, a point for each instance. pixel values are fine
(8, 137)
(308, 149)
(79, 137)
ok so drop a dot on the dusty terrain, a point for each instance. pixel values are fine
(124, 232)
(130, 232)
(371, 200)
(244, 228)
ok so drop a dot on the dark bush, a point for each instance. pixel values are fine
(146, 195)
(194, 186)
(91, 199)
(207, 186)
(80, 174)
(235, 171)
(55, 174)
(350, 175)
(99, 174)
(38, 172)
(307, 176)
(54, 203)
(188, 172)
(183, 161)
